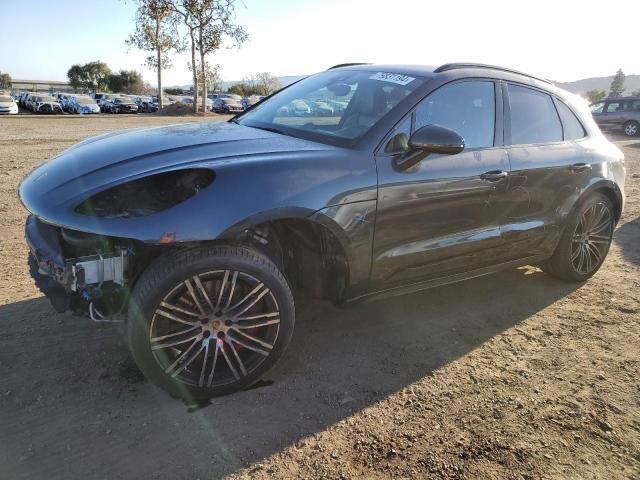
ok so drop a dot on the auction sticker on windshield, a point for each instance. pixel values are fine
(392, 78)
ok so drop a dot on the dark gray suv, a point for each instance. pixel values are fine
(199, 235)
(618, 113)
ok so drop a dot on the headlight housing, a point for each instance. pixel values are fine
(147, 195)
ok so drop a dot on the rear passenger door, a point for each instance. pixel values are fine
(548, 160)
(615, 115)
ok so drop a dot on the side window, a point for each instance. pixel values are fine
(533, 117)
(466, 107)
(635, 105)
(613, 107)
(399, 140)
(571, 126)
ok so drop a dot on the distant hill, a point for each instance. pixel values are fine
(631, 83)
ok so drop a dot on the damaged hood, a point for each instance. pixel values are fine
(107, 160)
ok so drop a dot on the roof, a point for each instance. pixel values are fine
(429, 71)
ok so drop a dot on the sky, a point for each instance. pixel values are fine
(561, 40)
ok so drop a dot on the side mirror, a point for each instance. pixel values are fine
(430, 139)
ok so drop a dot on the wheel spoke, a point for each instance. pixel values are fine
(203, 292)
(266, 345)
(173, 316)
(189, 361)
(204, 363)
(181, 357)
(260, 288)
(222, 287)
(250, 347)
(174, 343)
(231, 367)
(596, 253)
(187, 283)
(581, 261)
(213, 367)
(256, 323)
(575, 254)
(175, 334)
(604, 225)
(237, 357)
(179, 309)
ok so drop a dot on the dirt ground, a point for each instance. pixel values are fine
(513, 376)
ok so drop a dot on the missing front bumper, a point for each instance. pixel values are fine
(68, 281)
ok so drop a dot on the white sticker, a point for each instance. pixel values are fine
(392, 78)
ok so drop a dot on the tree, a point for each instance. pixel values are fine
(210, 23)
(126, 81)
(5, 80)
(267, 84)
(596, 95)
(214, 79)
(77, 77)
(182, 9)
(91, 76)
(636, 93)
(617, 85)
(156, 31)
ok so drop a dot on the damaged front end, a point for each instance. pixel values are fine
(81, 272)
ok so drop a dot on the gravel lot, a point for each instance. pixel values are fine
(510, 376)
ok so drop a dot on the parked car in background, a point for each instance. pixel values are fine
(618, 114)
(24, 97)
(82, 104)
(44, 104)
(8, 105)
(250, 101)
(121, 105)
(228, 104)
(151, 105)
(198, 234)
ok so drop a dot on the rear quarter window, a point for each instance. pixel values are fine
(571, 126)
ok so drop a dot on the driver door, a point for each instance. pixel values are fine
(443, 215)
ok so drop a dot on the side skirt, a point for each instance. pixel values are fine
(438, 282)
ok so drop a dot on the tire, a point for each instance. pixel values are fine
(197, 348)
(585, 242)
(631, 129)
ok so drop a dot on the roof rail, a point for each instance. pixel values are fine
(347, 65)
(454, 66)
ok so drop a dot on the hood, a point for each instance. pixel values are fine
(107, 160)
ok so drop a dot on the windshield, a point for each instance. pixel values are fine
(46, 99)
(5, 99)
(85, 100)
(342, 104)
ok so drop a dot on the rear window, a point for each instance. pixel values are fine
(533, 117)
(571, 126)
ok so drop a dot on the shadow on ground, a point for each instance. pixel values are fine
(72, 404)
(627, 237)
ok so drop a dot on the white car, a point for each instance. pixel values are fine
(8, 105)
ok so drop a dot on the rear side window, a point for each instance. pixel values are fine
(571, 126)
(635, 105)
(466, 107)
(533, 117)
(613, 107)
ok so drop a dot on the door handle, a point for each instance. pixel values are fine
(580, 167)
(494, 175)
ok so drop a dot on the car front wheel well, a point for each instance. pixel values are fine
(309, 255)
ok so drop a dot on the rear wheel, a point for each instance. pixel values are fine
(210, 321)
(585, 241)
(631, 129)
